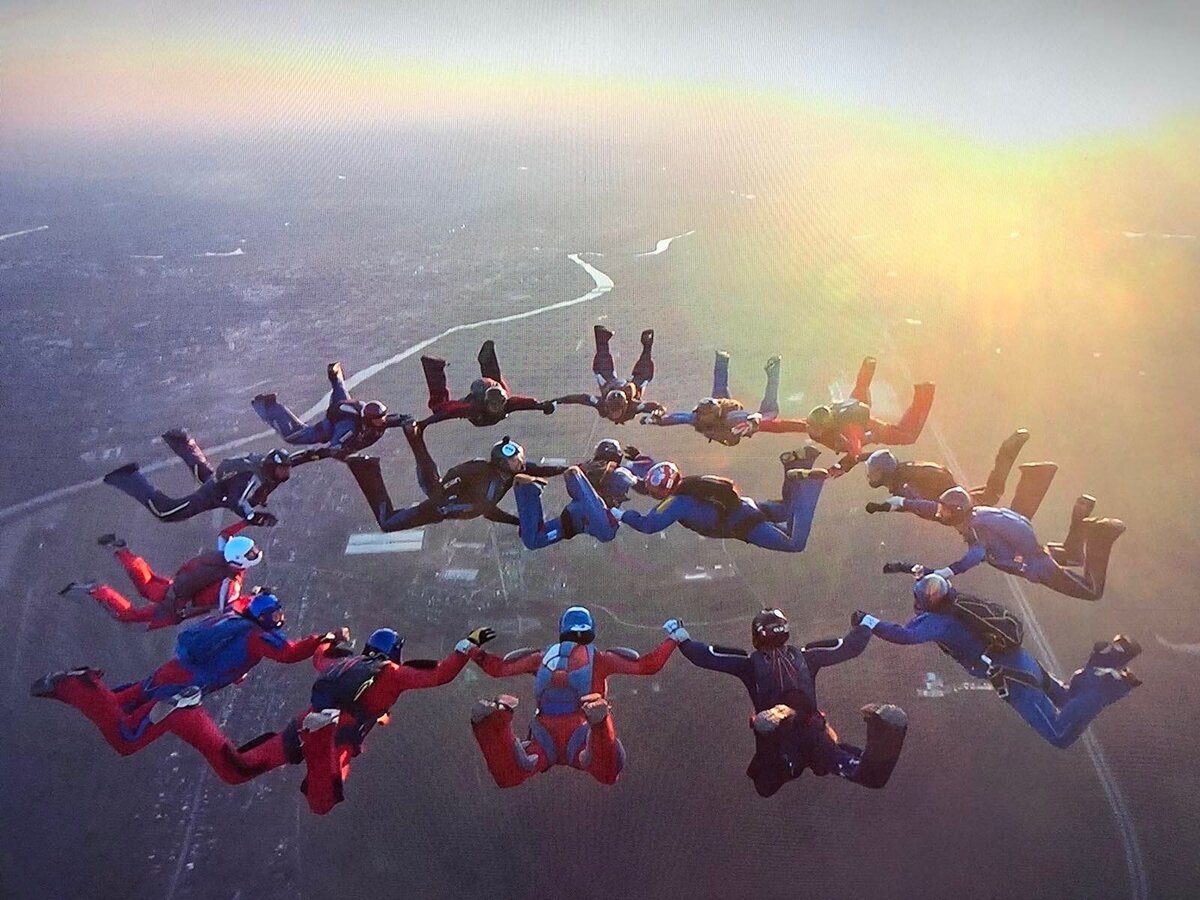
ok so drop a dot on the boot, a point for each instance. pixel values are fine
(595, 708)
(80, 587)
(1072, 547)
(1099, 536)
(603, 335)
(189, 697)
(1115, 653)
(485, 708)
(46, 685)
(886, 728)
(648, 338)
(768, 720)
(321, 718)
(111, 541)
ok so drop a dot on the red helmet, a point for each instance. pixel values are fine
(662, 480)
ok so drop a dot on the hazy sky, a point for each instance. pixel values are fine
(1006, 71)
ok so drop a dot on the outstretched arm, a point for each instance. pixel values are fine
(578, 400)
(537, 470)
(290, 651)
(231, 531)
(918, 630)
(502, 667)
(819, 654)
(610, 663)
(676, 418)
(520, 403)
(661, 517)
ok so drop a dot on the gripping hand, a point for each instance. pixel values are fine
(675, 630)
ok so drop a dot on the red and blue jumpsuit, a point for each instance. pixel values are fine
(201, 584)
(853, 426)
(122, 715)
(560, 734)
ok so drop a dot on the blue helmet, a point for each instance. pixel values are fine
(576, 625)
(265, 609)
(930, 591)
(385, 642)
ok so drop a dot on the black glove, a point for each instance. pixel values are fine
(263, 519)
(547, 407)
(632, 452)
(897, 568)
(856, 618)
(481, 636)
(340, 649)
(878, 507)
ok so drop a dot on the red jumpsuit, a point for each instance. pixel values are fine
(563, 739)
(201, 584)
(328, 751)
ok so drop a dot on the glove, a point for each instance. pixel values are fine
(651, 419)
(334, 370)
(340, 649)
(615, 512)
(675, 631)
(481, 636)
(878, 507)
(632, 452)
(895, 504)
(895, 568)
(263, 519)
(858, 617)
(548, 407)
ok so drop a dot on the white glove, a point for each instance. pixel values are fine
(870, 621)
(895, 504)
(918, 571)
(464, 647)
(649, 420)
(616, 513)
(675, 631)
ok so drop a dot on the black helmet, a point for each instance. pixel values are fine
(769, 630)
(504, 450)
(608, 450)
(373, 409)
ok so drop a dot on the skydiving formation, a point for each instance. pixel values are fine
(572, 725)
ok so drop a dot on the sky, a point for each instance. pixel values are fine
(1006, 73)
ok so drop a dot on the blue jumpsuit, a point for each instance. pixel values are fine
(1006, 540)
(342, 427)
(587, 513)
(787, 675)
(754, 522)
(1059, 713)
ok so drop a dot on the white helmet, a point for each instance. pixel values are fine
(242, 553)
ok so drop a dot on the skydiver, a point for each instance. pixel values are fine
(844, 427)
(720, 418)
(467, 491)
(206, 582)
(352, 695)
(619, 400)
(594, 487)
(489, 401)
(348, 426)
(713, 507)
(790, 730)
(210, 655)
(985, 639)
(1006, 540)
(928, 481)
(572, 724)
(240, 484)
